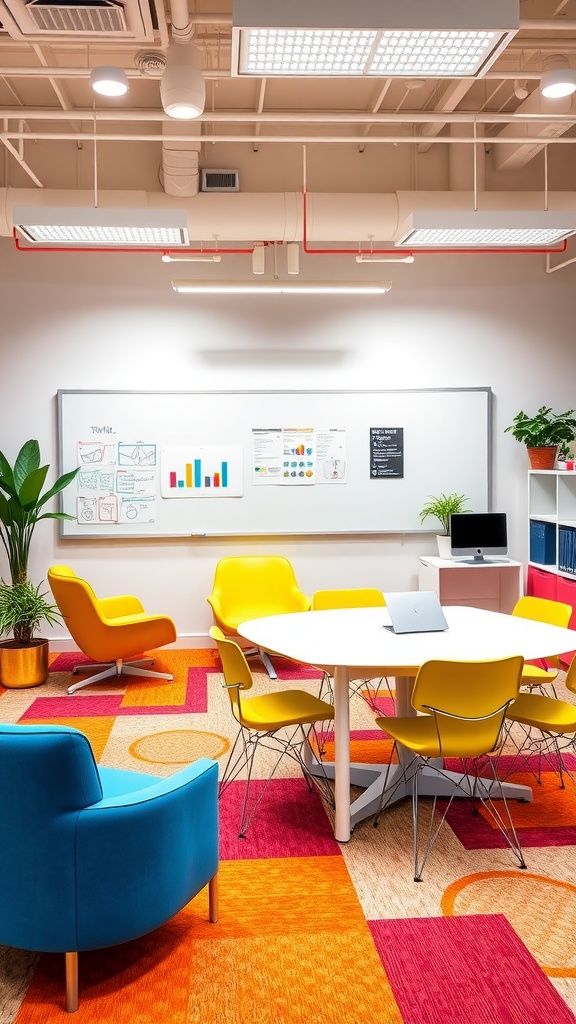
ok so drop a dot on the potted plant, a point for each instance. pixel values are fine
(545, 435)
(23, 606)
(441, 507)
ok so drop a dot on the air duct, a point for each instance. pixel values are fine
(356, 218)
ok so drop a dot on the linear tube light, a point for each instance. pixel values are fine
(385, 259)
(101, 226)
(433, 38)
(282, 287)
(216, 258)
(489, 229)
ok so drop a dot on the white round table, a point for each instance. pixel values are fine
(353, 643)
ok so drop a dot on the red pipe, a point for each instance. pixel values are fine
(405, 252)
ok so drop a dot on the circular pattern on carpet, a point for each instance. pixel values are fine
(178, 746)
(541, 910)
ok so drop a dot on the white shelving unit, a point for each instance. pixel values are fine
(552, 499)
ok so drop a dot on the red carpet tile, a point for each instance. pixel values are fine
(476, 971)
(289, 822)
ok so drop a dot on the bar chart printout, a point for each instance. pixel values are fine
(212, 471)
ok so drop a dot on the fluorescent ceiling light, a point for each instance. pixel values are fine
(457, 38)
(102, 226)
(109, 81)
(282, 287)
(494, 229)
(558, 83)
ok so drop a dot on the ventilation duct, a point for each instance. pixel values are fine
(344, 219)
(47, 19)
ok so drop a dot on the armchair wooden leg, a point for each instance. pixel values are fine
(213, 898)
(71, 960)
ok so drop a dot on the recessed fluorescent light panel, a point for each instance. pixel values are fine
(282, 287)
(498, 229)
(98, 226)
(434, 38)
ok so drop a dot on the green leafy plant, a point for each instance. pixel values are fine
(545, 430)
(442, 507)
(22, 609)
(22, 503)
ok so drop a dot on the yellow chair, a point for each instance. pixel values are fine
(261, 720)
(355, 597)
(250, 587)
(462, 705)
(546, 722)
(110, 629)
(555, 613)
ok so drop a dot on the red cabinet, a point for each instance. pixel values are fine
(542, 584)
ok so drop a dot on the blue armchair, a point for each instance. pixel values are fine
(97, 856)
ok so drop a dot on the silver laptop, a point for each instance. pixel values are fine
(417, 611)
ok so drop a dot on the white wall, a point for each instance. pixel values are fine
(110, 321)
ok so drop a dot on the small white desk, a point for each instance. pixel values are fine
(352, 643)
(495, 586)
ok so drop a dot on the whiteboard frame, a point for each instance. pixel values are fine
(209, 393)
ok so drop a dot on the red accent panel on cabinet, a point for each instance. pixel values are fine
(540, 583)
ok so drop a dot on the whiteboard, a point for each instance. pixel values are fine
(205, 463)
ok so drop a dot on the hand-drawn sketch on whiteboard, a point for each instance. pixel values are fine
(96, 453)
(136, 454)
(137, 510)
(213, 471)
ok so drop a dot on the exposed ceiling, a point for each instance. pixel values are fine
(340, 135)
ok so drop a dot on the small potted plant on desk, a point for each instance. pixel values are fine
(546, 435)
(23, 606)
(441, 508)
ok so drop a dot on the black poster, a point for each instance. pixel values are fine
(386, 452)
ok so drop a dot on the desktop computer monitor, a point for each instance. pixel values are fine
(478, 534)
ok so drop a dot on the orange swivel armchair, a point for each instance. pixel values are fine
(250, 587)
(111, 629)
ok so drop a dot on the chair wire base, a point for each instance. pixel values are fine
(243, 754)
(546, 747)
(475, 788)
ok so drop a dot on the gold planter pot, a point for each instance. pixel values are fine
(23, 666)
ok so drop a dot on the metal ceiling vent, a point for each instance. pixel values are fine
(220, 181)
(93, 18)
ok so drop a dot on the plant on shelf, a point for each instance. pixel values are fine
(442, 507)
(23, 605)
(547, 430)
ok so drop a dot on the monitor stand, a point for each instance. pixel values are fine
(480, 560)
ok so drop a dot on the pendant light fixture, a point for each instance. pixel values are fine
(109, 81)
(182, 87)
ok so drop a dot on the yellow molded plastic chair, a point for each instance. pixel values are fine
(250, 587)
(355, 597)
(463, 705)
(261, 720)
(548, 727)
(555, 613)
(111, 629)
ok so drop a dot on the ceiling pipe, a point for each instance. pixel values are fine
(280, 118)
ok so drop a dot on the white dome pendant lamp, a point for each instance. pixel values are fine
(182, 88)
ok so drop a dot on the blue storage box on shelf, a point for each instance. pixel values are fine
(542, 542)
(567, 549)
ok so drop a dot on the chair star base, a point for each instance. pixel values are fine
(116, 669)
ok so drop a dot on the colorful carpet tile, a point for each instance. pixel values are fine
(310, 929)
